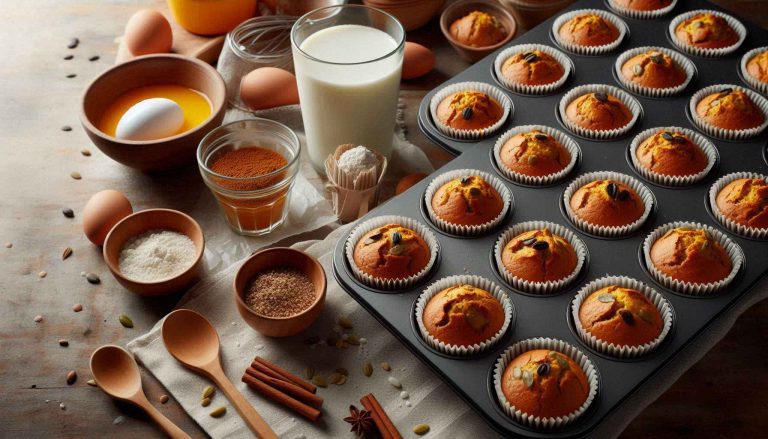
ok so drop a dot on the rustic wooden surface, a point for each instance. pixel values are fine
(724, 395)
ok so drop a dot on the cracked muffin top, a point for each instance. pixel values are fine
(653, 69)
(621, 316)
(757, 66)
(534, 67)
(469, 110)
(607, 203)
(545, 383)
(539, 256)
(467, 201)
(588, 30)
(534, 153)
(731, 109)
(745, 201)
(707, 31)
(671, 153)
(463, 315)
(391, 252)
(691, 255)
(643, 5)
(598, 111)
(478, 29)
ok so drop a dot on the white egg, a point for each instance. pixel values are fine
(150, 119)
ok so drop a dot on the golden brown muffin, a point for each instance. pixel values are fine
(588, 30)
(706, 31)
(545, 383)
(469, 110)
(653, 69)
(463, 315)
(539, 256)
(745, 201)
(391, 252)
(691, 255)
(643, 5)
(532, 68)
(757, 66)
(730, 109)
(607, 203)
(598, 111)
(534, 153)
(478, 29)
(621, 316)
(468, 201)
(671, 153)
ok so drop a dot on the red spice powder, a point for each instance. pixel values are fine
(248, 162)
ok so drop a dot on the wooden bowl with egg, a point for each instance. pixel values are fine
(152, 70)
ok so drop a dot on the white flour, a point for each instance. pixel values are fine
(357, 160)
(156, 255)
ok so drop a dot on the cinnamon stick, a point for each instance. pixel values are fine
(276, 395)
(286, 375)
(386, 428)
(287, 387)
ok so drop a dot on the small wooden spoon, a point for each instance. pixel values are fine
(193, 341)
(117, 374)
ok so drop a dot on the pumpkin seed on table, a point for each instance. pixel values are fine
(421, 429)
(72, 75)
(93, 278)
(68, 57)
(342, 371)
(342, 380)
(67, 253)
(71, 377)
(353, 340)
(42, 274)
(208, 392)
(367, 369)
(69, 213)
(205, 402)
(77, 307)
(219, 412)
(63, 343)
(94, 58)
(85, 152)
(320, 381)
(164, 399)
(385, 365)
(395, 382)
(76, 175)
(125, 321)
(334, 378)
(345, 322)
(74, 42)
(309, 372)
(92, 383)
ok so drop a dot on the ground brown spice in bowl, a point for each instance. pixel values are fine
(280, 292)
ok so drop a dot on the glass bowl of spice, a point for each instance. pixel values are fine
(250, 166)
(280, 291)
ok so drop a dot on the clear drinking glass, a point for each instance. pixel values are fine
(348, 60)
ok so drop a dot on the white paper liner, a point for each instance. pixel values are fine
(464, 230)
(612, 231)
(693, 289)
(621, 351)
(390, 284)
(733, 226)
(476, 281)
(494, 92)
(632, 104)
(537, 180)
(732, 22)
(722, 133)
(634, 87)
(523, 346)
(559, 56)
(761, 87)
(547, 287)
(589, 50)
(353, 196)
(706, 146)
(641, 15)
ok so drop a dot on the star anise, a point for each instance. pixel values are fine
(361, 421)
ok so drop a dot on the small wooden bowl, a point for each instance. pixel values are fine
(144, 221)
(462, 8)
(274, 258)
(153, 155)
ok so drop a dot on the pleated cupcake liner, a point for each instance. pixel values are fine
(761, 87)
(562, 347)
(722, 133)
(460, 229)
(390, 284)
(641, 15)
(733, 226)
(706, 146)
(547, 287)
(589, 50)
(494, 92)
(689, 288)
(631, 103)
(609, 231)
(475, 281)
(559, 56)
(537, 180)
(642, 90)
(615, 350)
(699, 51)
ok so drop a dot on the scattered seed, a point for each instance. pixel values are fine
(76, 175)
(205, 402)
(219, 412)
(62, 406)
(467, 113)
(397, 250)
(465, 180)
(66, 128)
(367, 369)
(637, 69)
(612, 190)
(164, 399)
(386, 366)
(71, 75)
(342, 380)
(345, 322)
(404, 395)
(38, 319)
(71, 377)
(342, 371)
(309, 372)
(600, 96)
(69, 213)
(517, 373)
(92, 383)
(540, 136)
(475, 191)
(353, 340)
(118, 420)
(208, 392)
(396, 238)
(529, 242)
(726, 91)
(527, 378)
(125, 321)
(421, 429)
(606, 298)
(657, 58)
(530, 57)
(543, 369)
(85, 152)
(319, 381)
(68, 57)
(627, 316)
(395, 382)
(67, 253)
(77, 307)
(668, 136)
(42, 274)
(94, 58)
(334, 378)
(373, 238)
(541, 245)
(63, 343)
(74, 42)
(92, 278)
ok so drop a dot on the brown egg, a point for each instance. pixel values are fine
(406, 182)
(148, 31)
(268, 87)
(417, 60)
(102, 212)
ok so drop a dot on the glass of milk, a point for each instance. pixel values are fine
(347, 60)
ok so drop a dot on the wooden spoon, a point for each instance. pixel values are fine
(193, 341)
(117, 374)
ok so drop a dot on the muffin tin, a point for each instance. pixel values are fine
(549, 315)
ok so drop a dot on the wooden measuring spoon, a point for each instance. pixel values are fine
(193, 341)
(117, 374)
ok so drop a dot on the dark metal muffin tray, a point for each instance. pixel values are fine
(548, 316)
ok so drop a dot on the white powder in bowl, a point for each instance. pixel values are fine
(357, 160)
(156, 255)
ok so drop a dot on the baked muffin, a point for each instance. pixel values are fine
(534, 67)
(757, 66)
(478, 29)
(588, 30)
(607, 203)
(469, 110)
(621, 316)
(598, 111)
(539, 256)
(671, 153)
(745, 201)
(534, 153)
(642, 5)
(653, 69)
(731, 109)
(391, 252)
(545, 383)
(691, 255)
(706, 31)
(467, 201)
(463, 315)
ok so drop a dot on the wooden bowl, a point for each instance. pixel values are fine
(153, 155)
(412, 15)
(462, 8)
(144, 221)
(274, 258)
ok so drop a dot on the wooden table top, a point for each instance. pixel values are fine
(724, 395)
